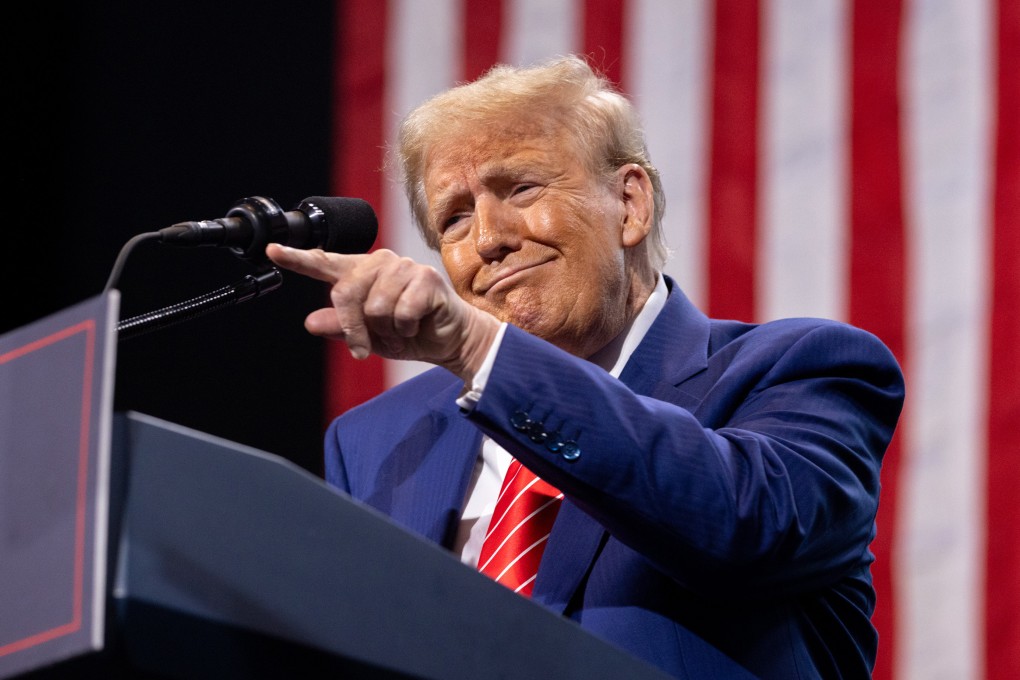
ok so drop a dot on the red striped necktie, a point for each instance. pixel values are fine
(519, 529)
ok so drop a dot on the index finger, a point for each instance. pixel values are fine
(314, 263)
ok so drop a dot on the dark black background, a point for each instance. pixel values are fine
(127, 117)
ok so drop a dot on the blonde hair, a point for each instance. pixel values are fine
(565, 90)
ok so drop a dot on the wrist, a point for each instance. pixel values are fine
(482, 330)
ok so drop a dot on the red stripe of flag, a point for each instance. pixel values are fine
(483, 31)
(877, 253)
(360, 68)
(1002, 585)
(732, 174)
(602, 38)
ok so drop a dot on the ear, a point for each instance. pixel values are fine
(639, 204)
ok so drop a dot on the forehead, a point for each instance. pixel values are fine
(484, 149)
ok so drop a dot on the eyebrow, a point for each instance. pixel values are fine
(490, 171)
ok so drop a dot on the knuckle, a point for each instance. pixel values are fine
(343, 291)
(376, 308)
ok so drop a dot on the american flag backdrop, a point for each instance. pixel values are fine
(851, 159)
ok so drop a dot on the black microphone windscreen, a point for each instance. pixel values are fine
(351, 223)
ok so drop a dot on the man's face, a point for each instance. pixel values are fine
(529, 235)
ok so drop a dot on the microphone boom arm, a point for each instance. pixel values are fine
(247, 288)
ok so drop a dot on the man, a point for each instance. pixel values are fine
(720, 480)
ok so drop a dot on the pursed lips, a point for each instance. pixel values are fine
(505, 273)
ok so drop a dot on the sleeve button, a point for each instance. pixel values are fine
(537, 433)
(571, 451)
(520, 421)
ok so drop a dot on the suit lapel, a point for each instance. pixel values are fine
(674, 350)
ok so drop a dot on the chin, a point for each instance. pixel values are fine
(554, 332)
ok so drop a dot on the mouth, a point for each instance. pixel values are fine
(508, 276)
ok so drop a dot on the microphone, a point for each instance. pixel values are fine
(335, 224)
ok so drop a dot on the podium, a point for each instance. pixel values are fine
(131, 547)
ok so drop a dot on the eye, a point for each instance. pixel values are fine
(451, 222)
(522, 189)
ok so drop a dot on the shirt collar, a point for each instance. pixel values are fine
(614, 356)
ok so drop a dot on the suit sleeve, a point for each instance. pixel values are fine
(767, 476)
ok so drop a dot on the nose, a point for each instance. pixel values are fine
(497, 230)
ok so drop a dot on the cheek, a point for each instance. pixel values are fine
(589, 226)
(594, 253)
(460, 265)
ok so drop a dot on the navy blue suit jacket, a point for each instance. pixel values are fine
(720, 499)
